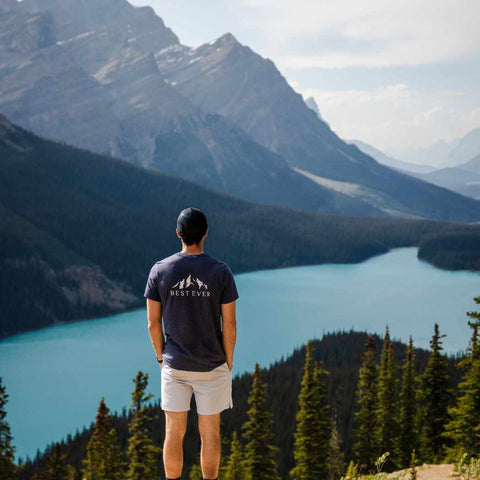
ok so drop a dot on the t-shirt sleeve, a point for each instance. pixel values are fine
(151, 289)
(229, 293)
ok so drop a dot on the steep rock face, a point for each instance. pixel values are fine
(94, 30)
(123, 106)
(44, 90)
(173, 136)
(228, 78)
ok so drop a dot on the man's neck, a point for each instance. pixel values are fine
(192, 249)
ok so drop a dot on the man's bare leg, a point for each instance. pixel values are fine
(209, 429)
(175, 428)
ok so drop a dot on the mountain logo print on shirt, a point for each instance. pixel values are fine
(181, 288)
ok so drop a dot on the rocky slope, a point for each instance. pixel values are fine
(85, 73)
(110, 77)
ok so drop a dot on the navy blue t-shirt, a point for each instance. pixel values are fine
(191, 289)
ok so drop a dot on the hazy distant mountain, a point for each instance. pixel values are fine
(472, 165)
(467, 147)
(457, 179)
(444, 153)
(435, 154)
(110, 77)
(385, 159)
(464, 179)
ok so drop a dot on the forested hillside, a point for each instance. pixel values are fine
(340, 354)
(79, 231)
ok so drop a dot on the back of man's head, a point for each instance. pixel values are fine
(192, 225)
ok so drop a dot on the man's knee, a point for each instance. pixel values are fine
(175, 424)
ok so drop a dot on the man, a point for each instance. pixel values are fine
(192, 290)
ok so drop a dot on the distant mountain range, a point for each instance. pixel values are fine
(389, 161)
(444, 154)
(464, 179)
(112, 78)
(79, 231)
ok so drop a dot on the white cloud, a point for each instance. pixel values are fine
(395, 116)
(392, 32)
(432, 44)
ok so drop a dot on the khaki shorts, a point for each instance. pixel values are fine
(212, 389)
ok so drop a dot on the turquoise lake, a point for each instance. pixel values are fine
(56, 376)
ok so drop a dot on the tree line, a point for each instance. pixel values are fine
(424, 417)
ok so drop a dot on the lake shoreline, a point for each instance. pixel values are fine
(279, 310)
(138, 308)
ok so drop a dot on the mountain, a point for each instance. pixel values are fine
(312, 104)
(466, 148)
(435, 154)
(458, 179)
(464, 179)
(228, 78)
(385, 159)
(83, 76)
(79, 231)
(472, 165)
(112, 78)
(444, 153)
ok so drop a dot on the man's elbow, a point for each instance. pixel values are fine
(154, 323)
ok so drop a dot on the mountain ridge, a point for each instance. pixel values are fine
(147, 121)
(237, 127)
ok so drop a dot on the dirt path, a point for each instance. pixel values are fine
(434, 472)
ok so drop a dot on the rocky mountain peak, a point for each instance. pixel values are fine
(227, 38)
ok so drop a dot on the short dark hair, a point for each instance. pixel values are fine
(192, 225)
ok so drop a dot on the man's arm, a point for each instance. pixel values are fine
(229, 331)
(154, 315)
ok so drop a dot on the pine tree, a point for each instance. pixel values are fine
(387, 403)
(235, 469)
(103, 460)
(57, 467)
(464, 426)
(435, 395)
(408, 435)
(365, 448)
(260, 462)
(336, 458)
(312, 435)
(224, 448)
(8, 469)
(142, 453)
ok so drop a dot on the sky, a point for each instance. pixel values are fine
(395, 74)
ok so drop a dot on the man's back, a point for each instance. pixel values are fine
(191, 289)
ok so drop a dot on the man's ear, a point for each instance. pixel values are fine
(206, 233)
(178, 234)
